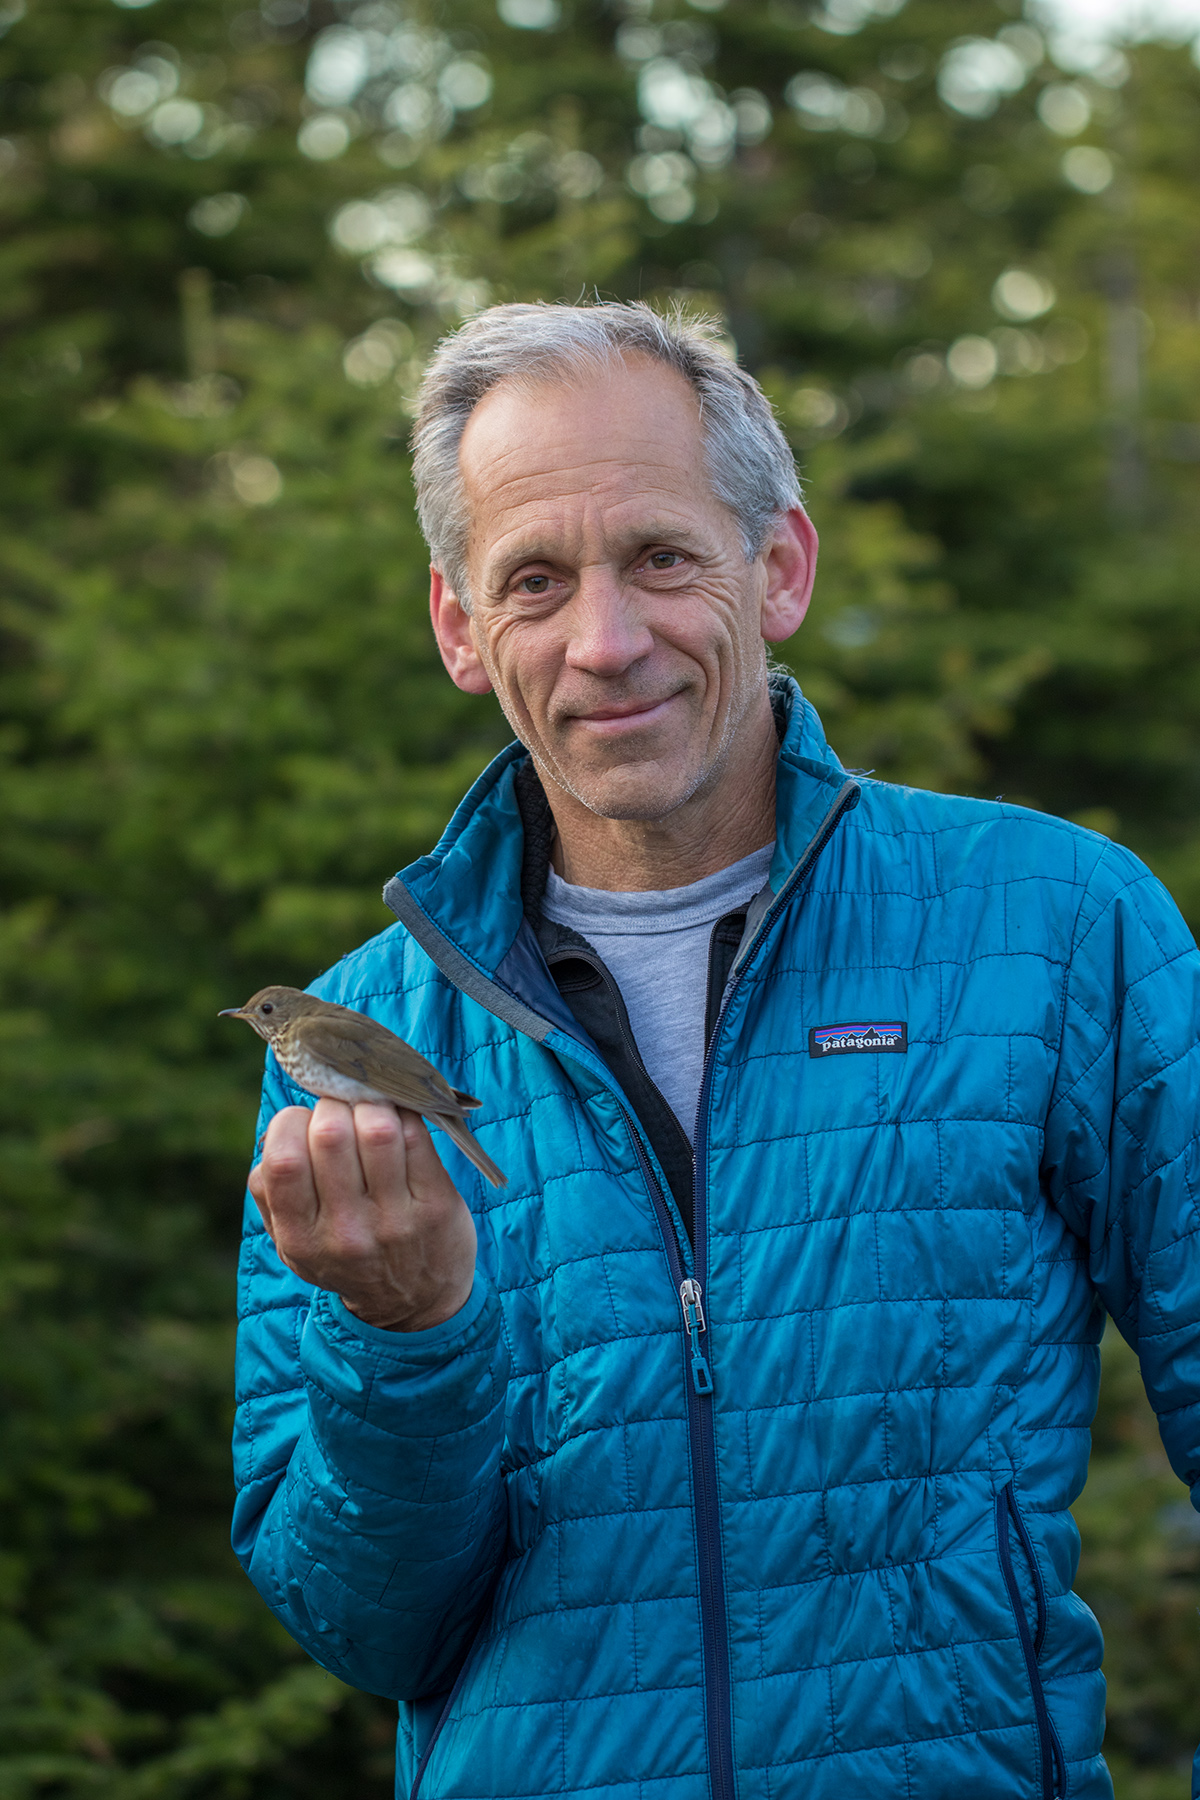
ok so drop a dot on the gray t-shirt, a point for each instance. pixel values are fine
(655, 946)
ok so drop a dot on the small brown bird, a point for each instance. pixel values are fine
(344, 1055)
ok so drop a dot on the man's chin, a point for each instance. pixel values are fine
(642, 791)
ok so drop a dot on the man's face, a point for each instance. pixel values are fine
(615, 614)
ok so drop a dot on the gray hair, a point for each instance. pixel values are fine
(749, 463)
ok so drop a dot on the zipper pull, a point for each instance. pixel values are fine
(693, 1324)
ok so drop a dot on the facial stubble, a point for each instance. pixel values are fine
(550, 768)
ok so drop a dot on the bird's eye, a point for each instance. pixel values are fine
(266, 1007)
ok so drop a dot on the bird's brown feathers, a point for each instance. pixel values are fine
(309, 1033)
(345, 1040)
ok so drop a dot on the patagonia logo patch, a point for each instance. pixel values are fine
(866, 1039)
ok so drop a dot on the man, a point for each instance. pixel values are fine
(728, 1450)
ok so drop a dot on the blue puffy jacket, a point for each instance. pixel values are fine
(805, 1535)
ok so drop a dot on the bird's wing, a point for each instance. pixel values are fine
(366, 1051)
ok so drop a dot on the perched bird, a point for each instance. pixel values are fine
(344, 1055)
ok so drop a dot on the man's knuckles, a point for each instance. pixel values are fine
(284, 1165)
(378, 1129)
(331, 1129)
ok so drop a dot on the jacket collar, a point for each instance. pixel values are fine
(808, 778)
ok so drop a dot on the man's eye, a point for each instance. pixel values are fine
(664, 559)
(534, 584)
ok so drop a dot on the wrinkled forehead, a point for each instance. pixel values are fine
(631, 426)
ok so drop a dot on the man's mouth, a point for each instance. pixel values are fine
(623, 715)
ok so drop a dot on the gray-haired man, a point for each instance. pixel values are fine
(729, 1451)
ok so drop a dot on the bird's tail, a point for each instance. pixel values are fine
(458, 1133)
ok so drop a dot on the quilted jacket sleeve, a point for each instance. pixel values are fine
(1123, 1132)
(370, 1512)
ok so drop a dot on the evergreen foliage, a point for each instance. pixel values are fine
(970, 280)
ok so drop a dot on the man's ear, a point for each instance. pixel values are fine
(455, 636)
(791, 566)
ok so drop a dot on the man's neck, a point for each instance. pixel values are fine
(718, 826)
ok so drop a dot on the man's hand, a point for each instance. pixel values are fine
(357, 1202)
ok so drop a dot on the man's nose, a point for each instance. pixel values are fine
(608, 631)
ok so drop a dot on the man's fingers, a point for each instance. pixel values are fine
(258, 1188)
(337, 1170)
(382, 1152)
(398, 1157)
(282, 1182)
(426, 1171)
(357, 1201)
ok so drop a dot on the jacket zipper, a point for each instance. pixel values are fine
(1053, 1763)
(714, 1626)
(714, 1623)
(442, 1718)
(718, 1680)
(690, 1293)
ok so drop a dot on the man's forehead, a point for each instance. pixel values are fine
(610, 434)
(597, 414)
(545, 487)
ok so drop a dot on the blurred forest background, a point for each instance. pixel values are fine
(963, 258)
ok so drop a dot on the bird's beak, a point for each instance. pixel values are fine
(232, 1012)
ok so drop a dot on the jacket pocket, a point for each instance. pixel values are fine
(1013, 1540)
